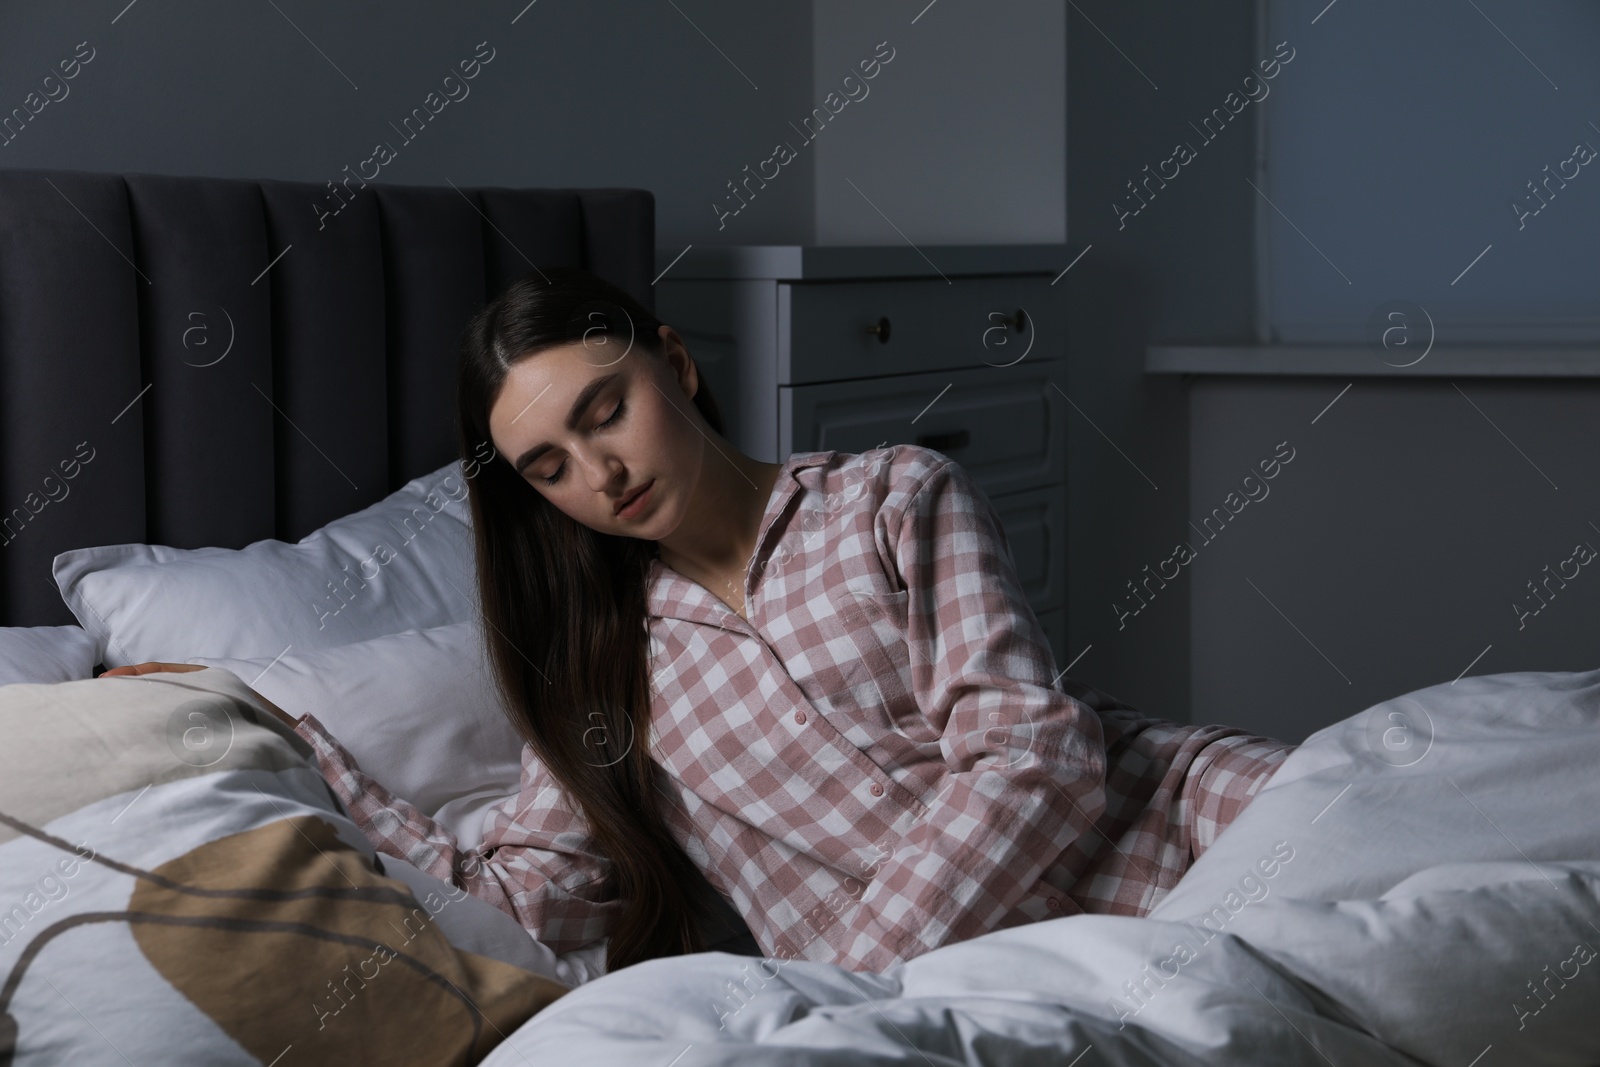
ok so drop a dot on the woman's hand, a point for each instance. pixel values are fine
(180, 668)
(152, 668)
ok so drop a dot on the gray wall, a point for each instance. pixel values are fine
(1181, 269)
(1389, 553)
(598, 93)
(963, 138)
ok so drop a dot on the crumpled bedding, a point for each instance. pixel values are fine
(1417, 884)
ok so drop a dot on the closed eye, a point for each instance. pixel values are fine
(615, 415)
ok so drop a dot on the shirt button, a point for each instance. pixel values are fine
(1053, 904)
(876, 790)
(800, 717)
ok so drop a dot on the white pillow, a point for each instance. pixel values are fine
(418, 710)
(403, 563)
(43, 654)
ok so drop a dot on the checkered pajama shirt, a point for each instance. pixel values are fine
(881, 761)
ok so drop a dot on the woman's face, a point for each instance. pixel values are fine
(591, 423)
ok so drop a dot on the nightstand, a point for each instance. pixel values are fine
(958, 348)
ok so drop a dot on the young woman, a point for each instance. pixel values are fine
(816, 684)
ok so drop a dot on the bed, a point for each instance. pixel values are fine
(215, 404)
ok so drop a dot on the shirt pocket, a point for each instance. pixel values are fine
(869, 626)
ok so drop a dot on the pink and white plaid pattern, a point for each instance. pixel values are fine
(877, 763)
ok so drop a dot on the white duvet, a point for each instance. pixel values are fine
(1417, 884)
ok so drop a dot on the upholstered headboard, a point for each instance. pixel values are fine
(201, 361)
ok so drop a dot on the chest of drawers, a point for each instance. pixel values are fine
(960, 348)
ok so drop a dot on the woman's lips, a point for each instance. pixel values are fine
(636, 504)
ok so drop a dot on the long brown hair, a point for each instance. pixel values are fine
(563, 608)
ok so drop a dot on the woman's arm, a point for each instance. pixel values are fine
(1026, 763)
(537, 862)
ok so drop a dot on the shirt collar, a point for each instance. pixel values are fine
(671, 595)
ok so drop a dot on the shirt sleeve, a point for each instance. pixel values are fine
(537, 862)
(1026, 762)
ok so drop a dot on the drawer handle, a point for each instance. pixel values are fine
(945, 442)
(881, 329)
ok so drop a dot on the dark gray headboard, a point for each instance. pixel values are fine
(119, 295)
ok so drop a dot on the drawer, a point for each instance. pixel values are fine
(1036, 528)
(1005, 425)
(825, 329)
